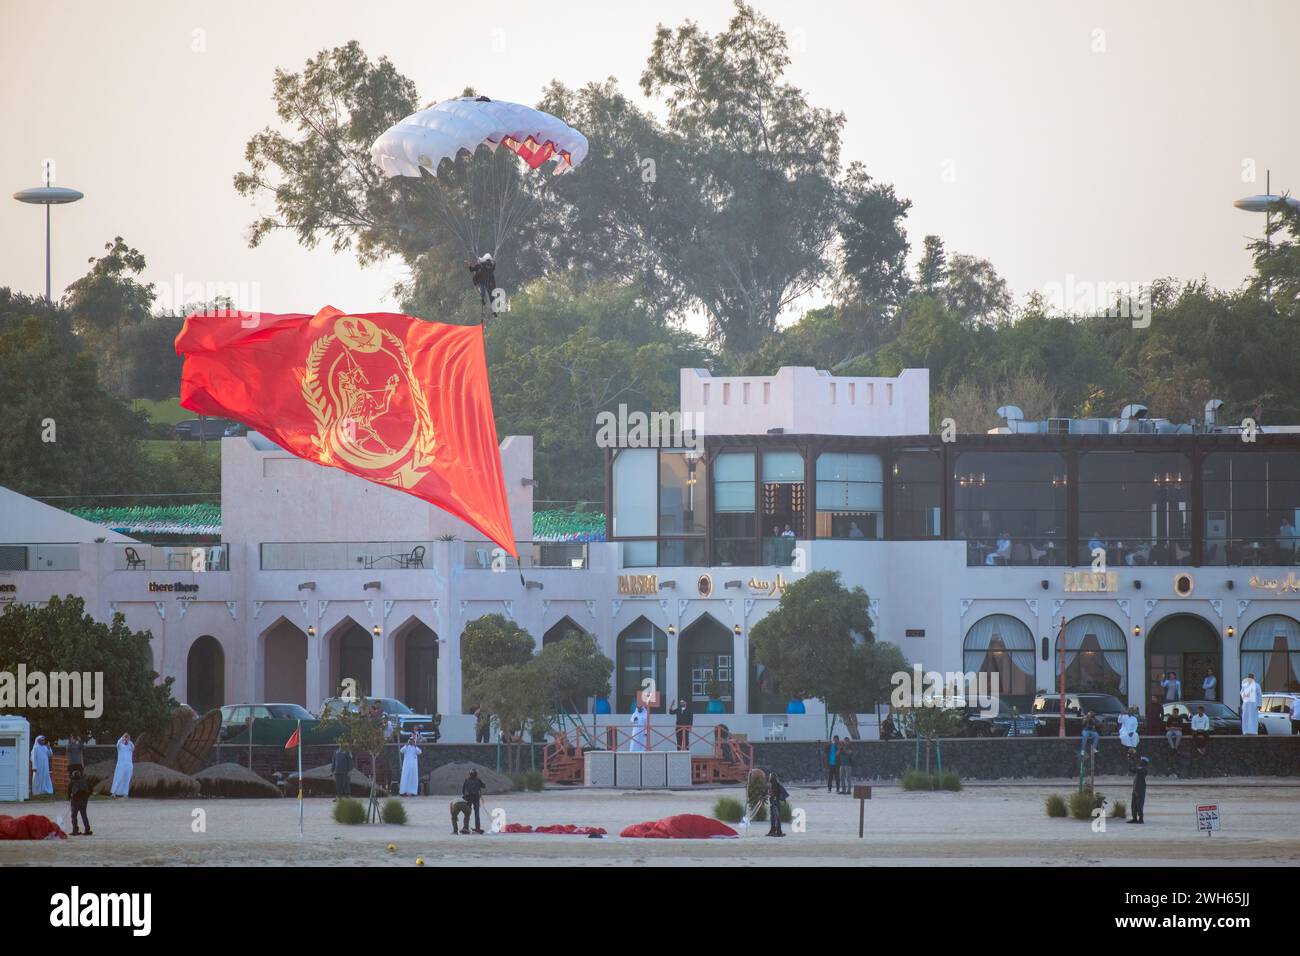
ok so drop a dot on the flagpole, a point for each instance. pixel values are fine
(300, 779)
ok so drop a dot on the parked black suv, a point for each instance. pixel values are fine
(1107, 707)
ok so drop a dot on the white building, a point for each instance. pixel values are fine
(971, 552)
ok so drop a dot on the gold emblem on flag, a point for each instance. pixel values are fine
(353, 378)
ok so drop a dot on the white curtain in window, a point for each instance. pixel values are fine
(1011, 633)
(1109, 637)
(1260, 639)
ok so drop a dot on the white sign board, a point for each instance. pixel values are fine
(1207, 817)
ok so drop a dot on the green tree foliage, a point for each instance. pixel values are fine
(63, 434)
(571, 671)
(62, 637)
(562, 356)
(109, 297)
(934, 263)
(818, 643)
(873, 241)
(1277, 261)
(489, 644)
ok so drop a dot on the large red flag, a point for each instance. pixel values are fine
(387, 397)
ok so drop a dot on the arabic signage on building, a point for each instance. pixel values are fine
(1091, 581)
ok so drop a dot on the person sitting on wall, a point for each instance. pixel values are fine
(1200, 730)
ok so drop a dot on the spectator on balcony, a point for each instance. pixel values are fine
(1002, 554)
(1210, 686)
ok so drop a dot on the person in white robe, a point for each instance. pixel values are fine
(410, 785)
(1249, 705)
(638, 730)
(125, 766)
(41, 780)
(1128, 729)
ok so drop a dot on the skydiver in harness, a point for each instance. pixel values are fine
(483, 273)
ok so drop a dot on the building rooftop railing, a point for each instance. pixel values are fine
(171, 557)
(489, 556)
(40, 557)
(345, 555)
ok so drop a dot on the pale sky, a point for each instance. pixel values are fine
(1098, 141)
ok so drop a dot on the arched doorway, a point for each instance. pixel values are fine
(1002, 645)
(706, 665)
(1188, 646)
(205, 675)
(351, 647)
(416, 650)
(1270, 649)
(284, 664)
(1096, 657)
(564, 627)
(642, 653)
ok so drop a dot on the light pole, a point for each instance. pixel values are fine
(1265, 203)
(48, 196)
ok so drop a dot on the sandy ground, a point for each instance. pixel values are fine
(985, 825)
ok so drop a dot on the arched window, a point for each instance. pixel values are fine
(642, 653)
(1096, 657)
(999, 644)
(1270, 649)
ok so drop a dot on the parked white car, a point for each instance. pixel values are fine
(1279, 714)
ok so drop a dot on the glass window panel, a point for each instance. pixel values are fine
(782, 466)
(681, 493)
(636, 472)
(733, 482)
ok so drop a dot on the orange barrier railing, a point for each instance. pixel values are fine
(725, 757)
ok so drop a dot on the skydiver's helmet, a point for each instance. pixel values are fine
(487, 258)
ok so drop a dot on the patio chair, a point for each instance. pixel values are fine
(133, 559)
(416, 558)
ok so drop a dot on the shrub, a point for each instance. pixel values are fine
(916, 780)
(392, 811)
(1119, 809)
(760, 815)
(728, 810)
(533, 780)
(920, 780)
(1083, 802)
(349, 811)
(1056, 806)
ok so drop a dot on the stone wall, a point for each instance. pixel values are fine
(1040, 757)
(1023, 758)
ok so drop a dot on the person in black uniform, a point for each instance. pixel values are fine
(483, 272)
(685, 720)
(1140, 791)
(776, 795)
(472, 791)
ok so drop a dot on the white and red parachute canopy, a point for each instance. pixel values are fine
(424, 139)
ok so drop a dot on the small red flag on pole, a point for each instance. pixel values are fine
(296, 739)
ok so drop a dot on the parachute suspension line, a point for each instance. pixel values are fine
(448, 214)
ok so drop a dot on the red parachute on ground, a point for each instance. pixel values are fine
(561, 828)
(30, 827)
(683, 826)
